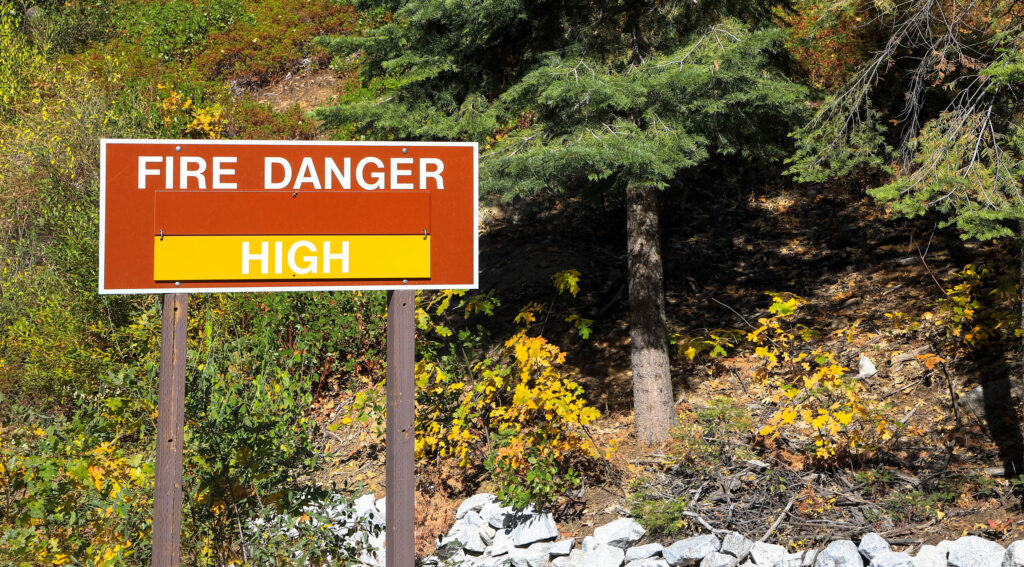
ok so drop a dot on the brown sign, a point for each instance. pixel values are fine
(209, 216)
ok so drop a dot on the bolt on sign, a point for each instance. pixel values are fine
(213, 215)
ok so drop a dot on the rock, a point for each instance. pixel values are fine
(973, 551)
(931, 556)
(474, 504)
(871, 545)
(621, 533)
(643, 551)
(487, 561)
(467, 531)
(564, 561)
(735, 544)
(799, 559)
(865, 368)
(1014, 555)
(562, 547)
(534, 556)
(589, 543)
(648, 562)
(717, 559)
(767, 554)
(532, 528)
(842, 553)
(603, 555)
(366, 507)
(502, 542)
(690, 550)
(497, 516)
(892, 559)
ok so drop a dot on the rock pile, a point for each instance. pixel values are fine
(486, 534)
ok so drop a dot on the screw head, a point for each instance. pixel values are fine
(177, 284)
(405, 150)
(177, 148)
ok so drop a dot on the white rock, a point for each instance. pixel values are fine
(648, 562)
(534, 527)
(767, 554)
(564, 561)
(892, 559)
(1014, 555)
(842, 553)
(865, 368)
(603, 555)
(792, 560)
(735, 544)
(643, 551)
(497, 516)
(366, 507)
(620, 533)
(690, 550)
(717, 559)
(534, 556)
(871, 545)
(562, 547)
(589, 543)
(473, 503)
(931, 556)
(973, 551)
(502, 542)
(467, 531)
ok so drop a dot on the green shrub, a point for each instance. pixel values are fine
(174, 30)
(274, 39)
(251, 120)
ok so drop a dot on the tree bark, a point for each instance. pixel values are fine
(653, 405)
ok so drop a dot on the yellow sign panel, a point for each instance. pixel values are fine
(306, 257)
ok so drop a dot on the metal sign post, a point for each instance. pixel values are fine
(170, 432)
(400, 480)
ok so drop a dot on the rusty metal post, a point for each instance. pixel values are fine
(170, 432)
(401, 398)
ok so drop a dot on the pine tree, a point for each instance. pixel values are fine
(615, 95)
(939, 106)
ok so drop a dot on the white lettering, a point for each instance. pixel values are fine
(169, 175)
(435, 174)
(144, 171)
(220, 171)
(332, 172)
(278, 256)
(263, 257)
(343, 256)
(268, 173)
(310, 267)
(396, 173)
(197, 173)
(307, 174)
(378, 176)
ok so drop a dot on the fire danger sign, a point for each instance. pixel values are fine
(212, 216)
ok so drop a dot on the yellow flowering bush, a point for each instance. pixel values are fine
(20, 63)
(516, 412)
(181, 114)
(816, 397)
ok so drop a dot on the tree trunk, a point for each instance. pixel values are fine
(652, 383)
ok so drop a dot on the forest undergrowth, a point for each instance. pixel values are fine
(838, 369)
